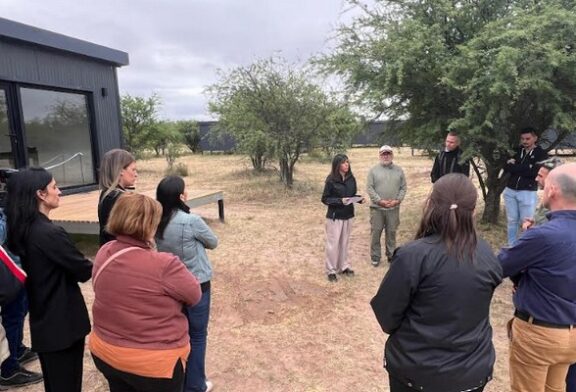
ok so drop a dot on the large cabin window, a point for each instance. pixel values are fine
(57, 134)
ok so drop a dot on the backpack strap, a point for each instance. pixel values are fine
(109, 260)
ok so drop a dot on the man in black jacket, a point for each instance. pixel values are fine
(450, 159)
(520, 196)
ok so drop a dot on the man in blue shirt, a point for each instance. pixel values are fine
(542, 263)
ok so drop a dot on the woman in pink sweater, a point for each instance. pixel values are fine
(140, 337)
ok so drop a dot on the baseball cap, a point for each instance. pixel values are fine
(385, 148)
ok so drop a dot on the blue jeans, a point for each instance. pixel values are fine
(198, 316)
(13, 315)
(519, 206)
(571, 379)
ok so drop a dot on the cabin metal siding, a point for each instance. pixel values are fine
(43, 67)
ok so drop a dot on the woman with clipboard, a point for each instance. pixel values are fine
(339, 195)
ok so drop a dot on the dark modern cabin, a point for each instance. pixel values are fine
(59, 103)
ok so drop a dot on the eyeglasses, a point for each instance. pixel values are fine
(386, 153)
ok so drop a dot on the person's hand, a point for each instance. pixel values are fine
(345, 200)
(384, 203)
(527, 223)
(511, 161)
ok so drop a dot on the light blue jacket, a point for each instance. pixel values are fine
(188, 236)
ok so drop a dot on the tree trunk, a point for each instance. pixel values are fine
(258, 162)
(286, 172)
(494, 186)
(491, 207)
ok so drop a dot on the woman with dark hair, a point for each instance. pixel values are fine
(434, 302)
(59, 320)
(339, 195)
(140, 339)
(187, 236)
(117, 174)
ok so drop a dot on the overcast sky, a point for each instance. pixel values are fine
(176, 46)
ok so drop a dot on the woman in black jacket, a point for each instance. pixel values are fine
(339, 195)
(59, 320)
(117, 174)
(434, 302)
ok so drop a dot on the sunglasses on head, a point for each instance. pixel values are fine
(551, 163)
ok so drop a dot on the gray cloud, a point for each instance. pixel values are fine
(176, 46)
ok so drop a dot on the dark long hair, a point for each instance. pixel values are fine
(168, 194)
(449, 212)
(336, 162)
(22, 205)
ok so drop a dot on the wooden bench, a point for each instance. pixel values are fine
(78, 213)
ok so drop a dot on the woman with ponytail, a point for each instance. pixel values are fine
(434, 302)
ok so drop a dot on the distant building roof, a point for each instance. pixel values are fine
(33, 35)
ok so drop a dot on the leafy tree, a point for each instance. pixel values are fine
(486, 68)
(139, 118)
(336, 132)
(271, 109)
(162, 135)
(190, 134)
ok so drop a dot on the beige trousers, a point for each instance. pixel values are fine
(540, 357)
(337, 239)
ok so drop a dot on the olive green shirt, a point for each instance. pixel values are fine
(386, 182)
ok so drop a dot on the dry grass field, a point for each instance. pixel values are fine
(277, 324)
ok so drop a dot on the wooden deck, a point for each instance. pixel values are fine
(78, 213)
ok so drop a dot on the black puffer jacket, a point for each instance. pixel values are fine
(334, 190)
(436, 310)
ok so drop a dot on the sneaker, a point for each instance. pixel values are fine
(375, 263)
(209, 385)
(27, 356)
(347, 272)
(332, 277)
(21, 378)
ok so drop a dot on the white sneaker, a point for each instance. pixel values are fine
(209, 386)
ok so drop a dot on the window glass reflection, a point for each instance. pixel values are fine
(58, 134)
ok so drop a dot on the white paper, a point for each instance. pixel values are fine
(353, 199)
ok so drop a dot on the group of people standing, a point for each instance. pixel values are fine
(386, 189)
(151, 280)
(434, 300)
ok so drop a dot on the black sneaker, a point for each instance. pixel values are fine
(27, 356)
(332, 277)
(348, 272)
(21, 378)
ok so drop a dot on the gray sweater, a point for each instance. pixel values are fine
(386, 183)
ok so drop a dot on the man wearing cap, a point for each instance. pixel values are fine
(386, 186)
(450, 159)
(542, 263)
